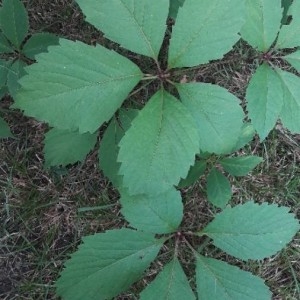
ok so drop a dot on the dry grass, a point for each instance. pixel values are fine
(41, 224)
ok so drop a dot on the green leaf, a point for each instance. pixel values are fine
(73, 81)
(107, 264)
(290, 112)
(286, 6)
(246, 135)
(141, 25)
(39, 43)
(240, 166)
(219, 280)
(174, 7)
(218, 115)
(159, 214)
(252, 231)
(4, 129)
(5, 47)
(294, 59)
(3, 92)
(218, 188)
(63, 147)
(165, 142)
(16, 71)
(289, 34)
(109, 148)
(194, 174)
(4, 67)
(263, 21)
(212, 32)
(14, 21)
(170, 284)
(265, 99)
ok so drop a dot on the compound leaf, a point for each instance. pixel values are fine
(164, 149)
(218, 115)
(4, 129)
(214, 32)
(14, 21)
(290, 112)
(107, 264)
(294, 59)
(252, 231)
(218, 188)
(73, 81)
(141, 24)
(159, 214)
(240, 166)
(289, 34)
(63, 147)
(5, 47)
(265, 99)
(174, 6)
(218, 280)
(170, 283)
(262, 24)
(39, 43)
(15, 72)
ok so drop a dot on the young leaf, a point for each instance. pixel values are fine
(195, 172)
(14, 21)
(174, 6)
(141, 24)
(218, 188)
(290, 112)
(5, 47)
(294, 59)
(246, 135)
(109, 148)
(163, 150)
(73, 81)
(265, 99)
(15, 72)
(289, 34)
(4, 129)
(214, 32)
(39, 43)
(240, 166)
(219, 280)
(170, 283)
(218, 115)
(159, 214)
(107, 264)
(63, 147)
(262, 24)
(252, 231)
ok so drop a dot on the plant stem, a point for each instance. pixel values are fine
(149, 77)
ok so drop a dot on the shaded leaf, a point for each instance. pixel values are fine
(218, 115)
(286, 6)
(157, 214)
(164, 149)
(219, 280)
(218, 188)
(4, 129)
(63, 147)
(141, 25)
(170, 283)
(174, 6)
(252, 231)
(194, 174)
(72, 82)
(211, 35)
(107, 264)
(4, 67)
(5, 47)
(16, 71)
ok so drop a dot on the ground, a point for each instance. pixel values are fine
(44, 213)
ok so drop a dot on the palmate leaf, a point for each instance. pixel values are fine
(159, 147)
(157, 214)
(289, 34)
(170, 284)
(290, 112)
(14, 21)
(218, 115)
(294, 59)
(240, 166)
(219, 280)
(252, 231)
(76, 86)
(212, 33)
(263, 21)
(106, 264)
(265, 99)
(141, 24)
(4, 129)
(218, 188)
(63, 147)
